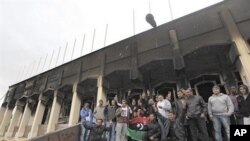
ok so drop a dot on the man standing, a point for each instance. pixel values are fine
(99, 111)
(110, 118)
(179, 109)
(220, 108)
(163, 106)
(87, 118)
(122, 118)
(233, 96)
(196, 109)
(244, 105)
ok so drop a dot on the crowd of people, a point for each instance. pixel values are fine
(159, 117)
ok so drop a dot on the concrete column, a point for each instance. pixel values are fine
(54, 114)
(178, 61)
(2, 110)
(30, 122)
(37, 119)
(75, 107)
(100, 91)
(5, 121)
(24, 121)
(13, 122)
(242, 47)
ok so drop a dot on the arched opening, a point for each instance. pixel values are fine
(65, 93)
(203, 84)
(87, 90)
(119, 83)
(48, 96)
(204, 89)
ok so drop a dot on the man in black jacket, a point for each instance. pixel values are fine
(97, 130)
(180, 110)
(196, 110)
(153, 129)
(244, 104)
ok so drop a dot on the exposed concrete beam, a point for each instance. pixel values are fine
(242, 47)
(178, 60)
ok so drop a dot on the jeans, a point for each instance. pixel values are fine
(198, 125)
(110, 135)
(165, 127)
(84, 133)
(179, 130)
(121, 131)
(219, 120)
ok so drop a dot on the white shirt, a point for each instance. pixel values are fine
(166, 107)
(125, 111)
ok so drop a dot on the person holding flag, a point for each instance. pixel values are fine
(133, 132)
(153, 130)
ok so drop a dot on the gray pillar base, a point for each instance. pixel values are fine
(8, 134)
(19, 134)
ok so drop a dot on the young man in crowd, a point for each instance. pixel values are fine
(87, 118)
(99, 111)
(244, 105)
(122, 118)
(181, 94)
(233, 94)
(220, 108)
(196, 110)
(180, 110)
(150, 109)
(110, 118)
(163, 108)
(96, 130)
(153, 129)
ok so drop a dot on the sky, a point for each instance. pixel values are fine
(34, 32)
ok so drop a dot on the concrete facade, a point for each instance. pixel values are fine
(210, 46)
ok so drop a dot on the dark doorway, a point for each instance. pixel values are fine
(46, 114)
(205, 90)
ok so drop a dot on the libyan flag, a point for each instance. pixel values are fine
(135, 135)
